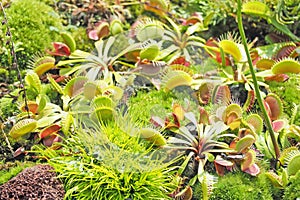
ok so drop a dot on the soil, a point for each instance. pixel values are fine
(34, 183)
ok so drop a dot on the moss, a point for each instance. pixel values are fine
(7, 107)
(287, 91)
(242, 186)
(33, 26)
(292, 191)
(145, 103)
(10, 170)
(158, 103)
(82, 41)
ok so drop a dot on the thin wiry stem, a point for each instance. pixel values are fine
(256, 87)
(15, 60)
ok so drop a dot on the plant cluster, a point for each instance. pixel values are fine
(160, 112)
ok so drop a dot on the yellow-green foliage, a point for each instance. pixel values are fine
(33, 26)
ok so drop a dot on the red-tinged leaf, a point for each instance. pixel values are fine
(191, 21)
(253, 170)
(204, 117)
(50, 130)
(101, 30)
(19, 151)
(93, 34)
(204, 93)
(31, 105)
(219, 59)
(219, 169)
(278, 125)
(60, 49)
(169, 124)
(255, 57)
(176, 120)
(48, 141)
(211, 42)
(232, 145)
(273, 105)
(277, 78)
(268, 109)
(223, 162)
(181, 61)
(221, 165)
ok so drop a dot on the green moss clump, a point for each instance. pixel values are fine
(13, 169)
(289, 93)
(158, 103)
(33, 26)
(82, 41)
(292, 191)
(145, 103)
(242, 186)
(7, 107)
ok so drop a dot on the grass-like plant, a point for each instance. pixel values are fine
(109, 161)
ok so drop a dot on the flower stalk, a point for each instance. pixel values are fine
(256, 87)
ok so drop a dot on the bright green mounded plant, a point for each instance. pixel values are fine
(33, 27)
(108, 161)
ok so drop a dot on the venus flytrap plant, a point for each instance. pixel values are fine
(256, 87)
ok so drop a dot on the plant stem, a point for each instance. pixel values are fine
(256, 87)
